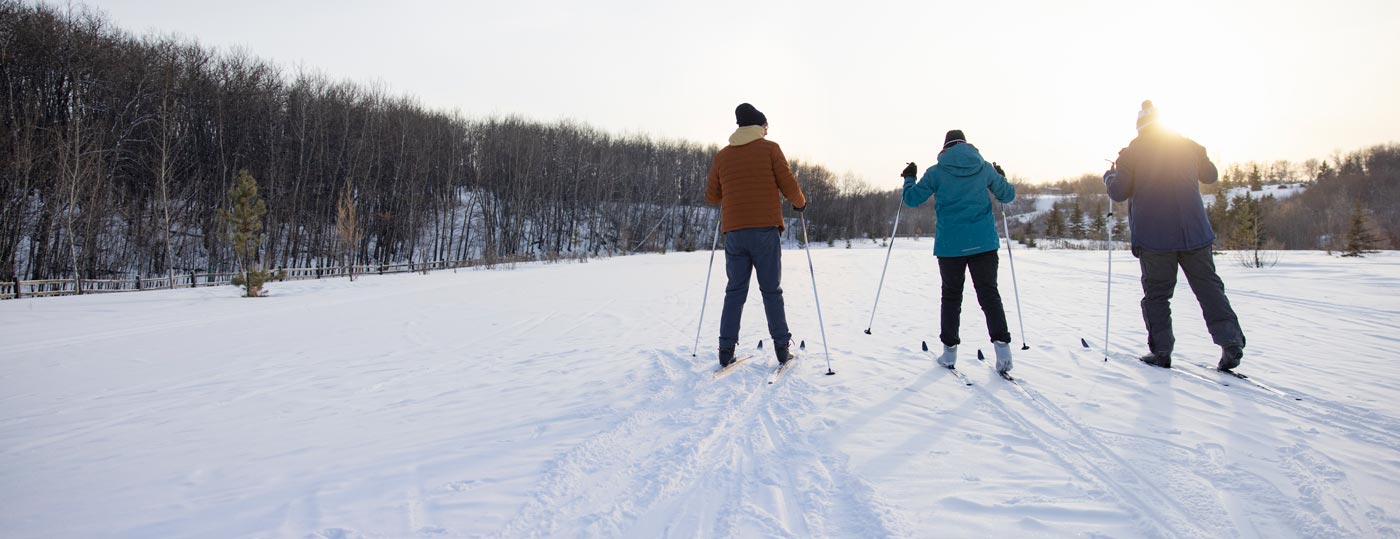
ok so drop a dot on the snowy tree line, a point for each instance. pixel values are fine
(118, 151)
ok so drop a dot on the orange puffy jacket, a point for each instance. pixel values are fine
(745, 180)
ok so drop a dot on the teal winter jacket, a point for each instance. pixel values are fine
(961, 181)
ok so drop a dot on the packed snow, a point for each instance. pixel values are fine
(562, 400)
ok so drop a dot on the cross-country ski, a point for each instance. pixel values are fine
(781, 370)
(724, 371)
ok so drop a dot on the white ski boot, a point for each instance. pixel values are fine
(1003, 350)
(949, 357)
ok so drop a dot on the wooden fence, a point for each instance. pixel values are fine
(67, 287)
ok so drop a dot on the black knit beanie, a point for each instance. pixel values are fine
(747, 115)
(955, 136)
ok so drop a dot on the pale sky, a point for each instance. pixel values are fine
(1048, 89)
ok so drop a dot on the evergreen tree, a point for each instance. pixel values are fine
(1055, 223)
(244, 229)
(1256, 178)
(1219, 214)
(1077, 227)
(1120, 229)
(1099, 225)
(1249, 232)
(1323, 171)
(1360, 238)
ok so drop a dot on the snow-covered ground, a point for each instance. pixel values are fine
(562, 400)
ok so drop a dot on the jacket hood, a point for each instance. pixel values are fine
(745, 135)
(961, 160)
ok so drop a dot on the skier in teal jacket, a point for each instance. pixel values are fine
(965, 237)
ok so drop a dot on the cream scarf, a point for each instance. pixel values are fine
(745, 135)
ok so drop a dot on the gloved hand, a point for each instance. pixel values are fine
(911, 170)
(799, 209)
(1110, 176)
(997, 168)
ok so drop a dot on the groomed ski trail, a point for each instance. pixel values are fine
(709, 457)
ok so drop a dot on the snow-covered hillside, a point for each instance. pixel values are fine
(562, 400)
(1271, 190)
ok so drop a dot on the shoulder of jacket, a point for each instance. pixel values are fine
(1192, 144)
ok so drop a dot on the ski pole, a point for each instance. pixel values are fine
(1108, 297)
(822, 325)
(1014, 287)
(706, 298)
(882, 270)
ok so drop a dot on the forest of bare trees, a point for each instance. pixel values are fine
(118, 151)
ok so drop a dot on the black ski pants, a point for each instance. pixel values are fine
(954, 270)
(1158, 283)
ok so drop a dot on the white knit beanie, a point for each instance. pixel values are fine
(1147, 115)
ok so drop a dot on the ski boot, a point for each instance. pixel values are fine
(1003, 350)
(1158, 360)
(782, 352)
(949, 357)
(1230, 357)
(726, 357)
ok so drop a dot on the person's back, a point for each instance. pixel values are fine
(749, 177)
(1161, 172)
(961, 180)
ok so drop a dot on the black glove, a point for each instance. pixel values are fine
(799, 209)
(911, 170)
(998, 169)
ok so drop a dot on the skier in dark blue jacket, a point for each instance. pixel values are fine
(965, 237)
(1158, 174)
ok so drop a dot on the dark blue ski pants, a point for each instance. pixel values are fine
(748, 251)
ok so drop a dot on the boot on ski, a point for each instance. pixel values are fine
(1003, 350)
(1230, 357)
(949, 357)
(1158, 360)
(726, 357)
(782, 353)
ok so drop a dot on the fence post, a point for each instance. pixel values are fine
(17, 281)
(138, 282)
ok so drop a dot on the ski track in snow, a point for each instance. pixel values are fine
(659, 467)
(1160, 509)
(1321, 485)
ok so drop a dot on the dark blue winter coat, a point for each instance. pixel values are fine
(961, 179)
(1158, 175)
